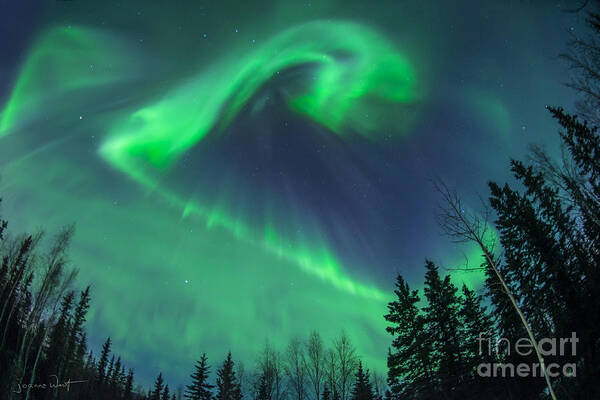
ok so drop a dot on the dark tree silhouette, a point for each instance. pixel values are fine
(410, 361)
(158, 388)
(363, 389)
(228, 387)
(165, 394)
(200, 389)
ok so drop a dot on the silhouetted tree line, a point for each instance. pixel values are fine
(43, 338)
(43, 345)
(542, 275)
(306, 369)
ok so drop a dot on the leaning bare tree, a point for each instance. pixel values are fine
(464, 226)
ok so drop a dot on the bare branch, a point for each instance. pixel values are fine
(465, 226)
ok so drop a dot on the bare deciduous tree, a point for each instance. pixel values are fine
(347, 363)
(584, 59)
(331, 372)
(271, 369)
(294, 368)
(464, 226)
(314, 361)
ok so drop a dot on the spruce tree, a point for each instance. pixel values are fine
(479, 338)
(128, 390)
(122, 379)
(109, 371)
(115, 379)
(103, 361)
(443, 326)
(263, 392)
(200, 389)
(56, 352)
(75, 332)
(409, 361)
(165, 394)
(158, 387)
(362, 390)
(89, 363)
(475, 323)
(228, 387)
(79, 362)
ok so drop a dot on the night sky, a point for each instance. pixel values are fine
(243, 172)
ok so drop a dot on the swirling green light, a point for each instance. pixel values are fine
(350, 65)
(317, 261)
(62, 63)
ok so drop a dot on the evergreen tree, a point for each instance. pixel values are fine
(479, 338)
(200, 389)
(165, 394)
(56, 349)
(475, 323)
(102, 363)
(263, 391)
(128, 390)
(115, 379)
(409, 360)
(158, 388)
(76, 331)
(122, 379)
(443, 326)
(79, 362)
(228, 387)
(89, 363)
(362, 390)
(326, 395)
(109, 371)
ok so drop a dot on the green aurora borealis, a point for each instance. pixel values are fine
(239, 175)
